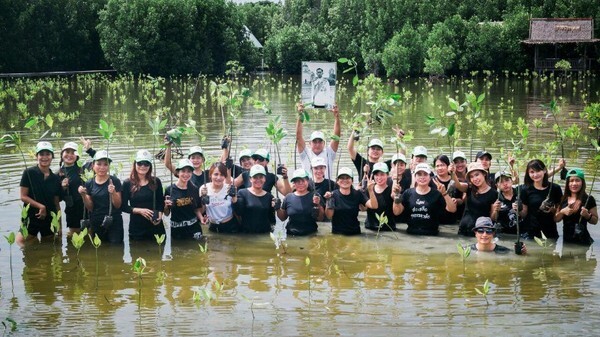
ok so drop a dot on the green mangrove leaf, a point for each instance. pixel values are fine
(31, 122)
(10, 238)
(343, 60)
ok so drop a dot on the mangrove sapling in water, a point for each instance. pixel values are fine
(96, 242)
(107, 131)
(11, 240)
(484, 291)
(203, 249)
(55, 225)
(464, 251)
(138, 267)
(383, 222)
(307, 263)
(78, 239)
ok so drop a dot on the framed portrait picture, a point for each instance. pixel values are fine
(318, 84)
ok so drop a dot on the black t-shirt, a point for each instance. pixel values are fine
(424, 211)
(73, 173)
(359, 162)
(256, 212)
(199, 180)
(537, 220)
(101, 200)
(300, 212)
(41, 189)
(345, 215)
(498, 249)
(385, 205)
(453, 192)
(570, 221)
(140, 227)
(476, 205)
(185, 202)
(507, 217)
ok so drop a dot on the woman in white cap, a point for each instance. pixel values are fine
(424, 204)
(261, 157)
(70, 173)
(480, 200)
(254, 205)
(102, 197)
(576, 210)
(182, 203)
(343, 204)
(322, 185)
(385, 202)
(40, 189)
(302, 206)
(219, 210)
(143, 198)
(195, 155)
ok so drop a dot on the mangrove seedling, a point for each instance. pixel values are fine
(307, 263)
(484, 291)
(10, 326)
(352, 66)
(159, 241)
(55, 225)
(383, 222)
(11, 240)
(96, 242)
(464, 252)
(203, 249)
(78, 239)
(107, 131)
(542, 242)
(279, 241)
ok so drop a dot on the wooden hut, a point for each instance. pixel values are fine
(547, 33)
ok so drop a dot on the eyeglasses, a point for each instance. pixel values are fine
(259, 159)
(142, 163)
(486, 230)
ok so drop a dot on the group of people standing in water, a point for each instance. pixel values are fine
(238, 197)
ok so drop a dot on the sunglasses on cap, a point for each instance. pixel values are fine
(485, 230)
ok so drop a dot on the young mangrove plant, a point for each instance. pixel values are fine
(464, 251)
(307, 264)
(78, 239)
(138, 267)
(543, 242)
(96, 242)
(203, 248)
(159, 241)
(484, 291)
(279, 241)
(107, 131)
(11, 240)
(55, 225)
(156, 125)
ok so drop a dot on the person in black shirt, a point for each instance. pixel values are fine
(540, 199)
(102, 197)
(343, 204)
(182, 203)
(196, 157)
(576, 210)
(423, 204)
(485, 231)
(254, 205)
(481, 198)
(40, 189)
(143, 199)
(302, 206)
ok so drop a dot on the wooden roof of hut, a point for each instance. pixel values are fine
(561, 30)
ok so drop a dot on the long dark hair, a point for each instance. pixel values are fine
(581, 195)
(135, 179)
(536, 165)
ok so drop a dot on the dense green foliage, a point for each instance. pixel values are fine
(171, 37)
(392, 38)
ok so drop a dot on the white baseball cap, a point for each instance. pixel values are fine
(318, 161)
(423, 167)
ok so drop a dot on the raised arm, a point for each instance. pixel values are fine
(337, 129)
(351, 149)
(168, 162)
(300, 143)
